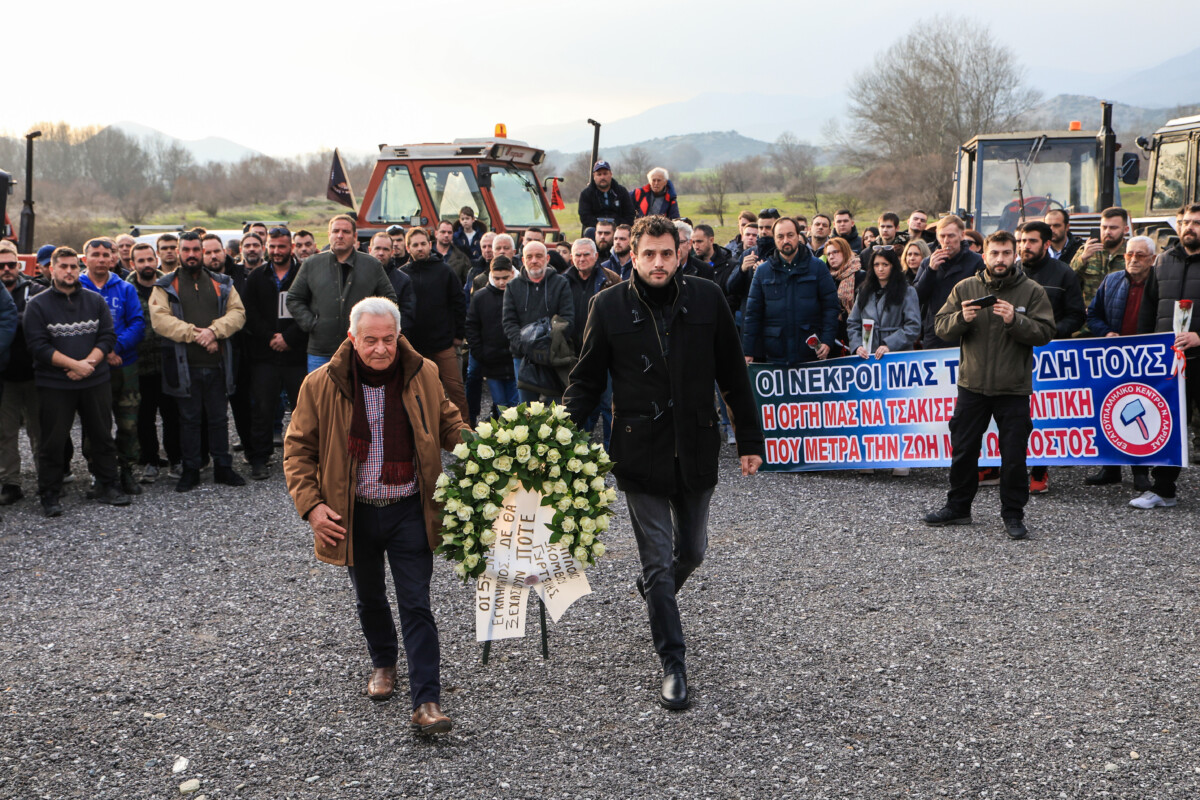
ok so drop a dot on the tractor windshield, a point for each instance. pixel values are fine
(1054, 173)
(396, 200)
(452, 187)
(517, 197)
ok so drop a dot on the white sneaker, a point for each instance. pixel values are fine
(1151, 500)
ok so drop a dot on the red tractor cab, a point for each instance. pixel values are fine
(423, 184)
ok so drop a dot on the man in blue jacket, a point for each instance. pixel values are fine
(792, 297)
(129, 326)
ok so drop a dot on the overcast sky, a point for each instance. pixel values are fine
(289, 77)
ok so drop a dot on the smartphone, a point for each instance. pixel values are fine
(1094, 234)
(982, 302)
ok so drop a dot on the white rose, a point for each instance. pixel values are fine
(468, 543)
(485, 451)
(464, 513)
(491, 511)
(447, 538)
(491, 478)
(469, 527)
(520, 433)
(472, 467)
(453, 505)
(598, 549)
(487, 538)
(555, 471)
(449, 522)
(581, 503)
(597, 484)
(536, 407)
(503, 436)
(568, 524)
(581, 449)
(460, 570)
(553, 456)
(524, 453)
(481, 491)
(580, 554)
(603, 459)
(566, 540)
(512, 485)
(574, 465)
(586, 539)
(439, 495)
(564, 504)
(471, 560)
(533, 463)
(545, 432)
(461, 450)
(443, 481)
(560, 487)
(560, 412)
(580, 486)
(590, 468)
(547, 487)
(541, 449)
(563, 436)
(484, 430)
(464, 483)
(610, 494)
(503, 463)
(602, 522)
(509, 414)
(587, 524)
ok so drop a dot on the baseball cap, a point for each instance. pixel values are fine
(602, 165)
(43, 254)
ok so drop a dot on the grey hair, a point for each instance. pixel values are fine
(658, 171)
(376, 307)
(530, 246)
(505, 237)
(685, 230)
(584, 244)
(1146, 240)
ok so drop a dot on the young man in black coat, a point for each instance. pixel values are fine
(665, 338)
(487, 342)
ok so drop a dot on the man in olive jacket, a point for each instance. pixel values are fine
(361, 458)
(329, 284)
(665, 339)
(995, 379)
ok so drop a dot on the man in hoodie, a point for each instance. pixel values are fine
(69, 332)
(995, 378)
(539, 292)
(604, 197)
(440, 323)
(129, 327)
(937, 276)
(843, 223)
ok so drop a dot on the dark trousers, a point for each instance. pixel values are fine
(268, 378)
(672, 535)
(1165, 477)
(205, 400)
(240, 402)
(156, 403)
(450, 372)
(972, 414)
(55, 417)
(397, 533)
(474, 388)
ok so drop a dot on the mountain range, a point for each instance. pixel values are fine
(204, 151)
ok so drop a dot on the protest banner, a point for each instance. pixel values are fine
(1095, 401)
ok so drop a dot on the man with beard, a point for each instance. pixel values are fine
(716, 257)
(168, 252)
(154, 401)
(604, 237)
(1098, 257)
(456, 259)
(304, 244)
(216, 260)
(918, 228)
(252, 251)
(1178, 278)
(197, 311)
(604, 197)
(275, 346)
(995, 379)
(1066, 301)
(689, 264)
(1063, 245)
(665, 441)
(441, 318)
(539, 292)
(19, 399)
(129, 327)
(620, 260)
(382, 249)
(124, 264)
(843, 223)
(69, 332)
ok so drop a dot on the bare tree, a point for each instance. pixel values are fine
(744, 175)
(946, 81)
(795, 163)
(715, 188)
(636, 162)
(171, 160)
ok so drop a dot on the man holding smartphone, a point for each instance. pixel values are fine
(1102, 253)
(998, 317)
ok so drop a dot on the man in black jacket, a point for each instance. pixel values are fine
(604, 197)
(275, 345)
(1063, 245)
(941, 272)
(539, 292)
(69, 332)
(665, 339)
(490, 355)
(440, 321)
(383, 248)
(19, 400)
(1178, 274)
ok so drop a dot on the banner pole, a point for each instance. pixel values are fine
(487, 651)
(545, 634)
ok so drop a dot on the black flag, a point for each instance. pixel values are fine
(339, 190)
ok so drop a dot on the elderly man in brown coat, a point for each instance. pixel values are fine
(361, 459)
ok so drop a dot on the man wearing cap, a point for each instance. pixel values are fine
(43, 261)
(604, 198)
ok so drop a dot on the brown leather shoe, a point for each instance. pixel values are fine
(429, 719)
(382, 683)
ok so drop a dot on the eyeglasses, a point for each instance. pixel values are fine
(395, 230)
(10, 264)
(99, 243)
(881, 247)
(605, 220)
(769, 212)
(279, 232)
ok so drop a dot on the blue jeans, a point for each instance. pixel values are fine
(317, 361)
(474, 388)
(504, 391)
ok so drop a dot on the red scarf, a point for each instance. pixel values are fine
(397, 433)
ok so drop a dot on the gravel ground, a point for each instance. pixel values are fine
(838, 648)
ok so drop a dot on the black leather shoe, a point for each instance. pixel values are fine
(1015, 529)
(674, 694)
(129, 484)
(227, 476)
(1142, 483)
(10, 493)
(112, 496)
(52, 507)
(1105, 476)
(946, 516)
(189, 480)
(260, 472)
(640, 585)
